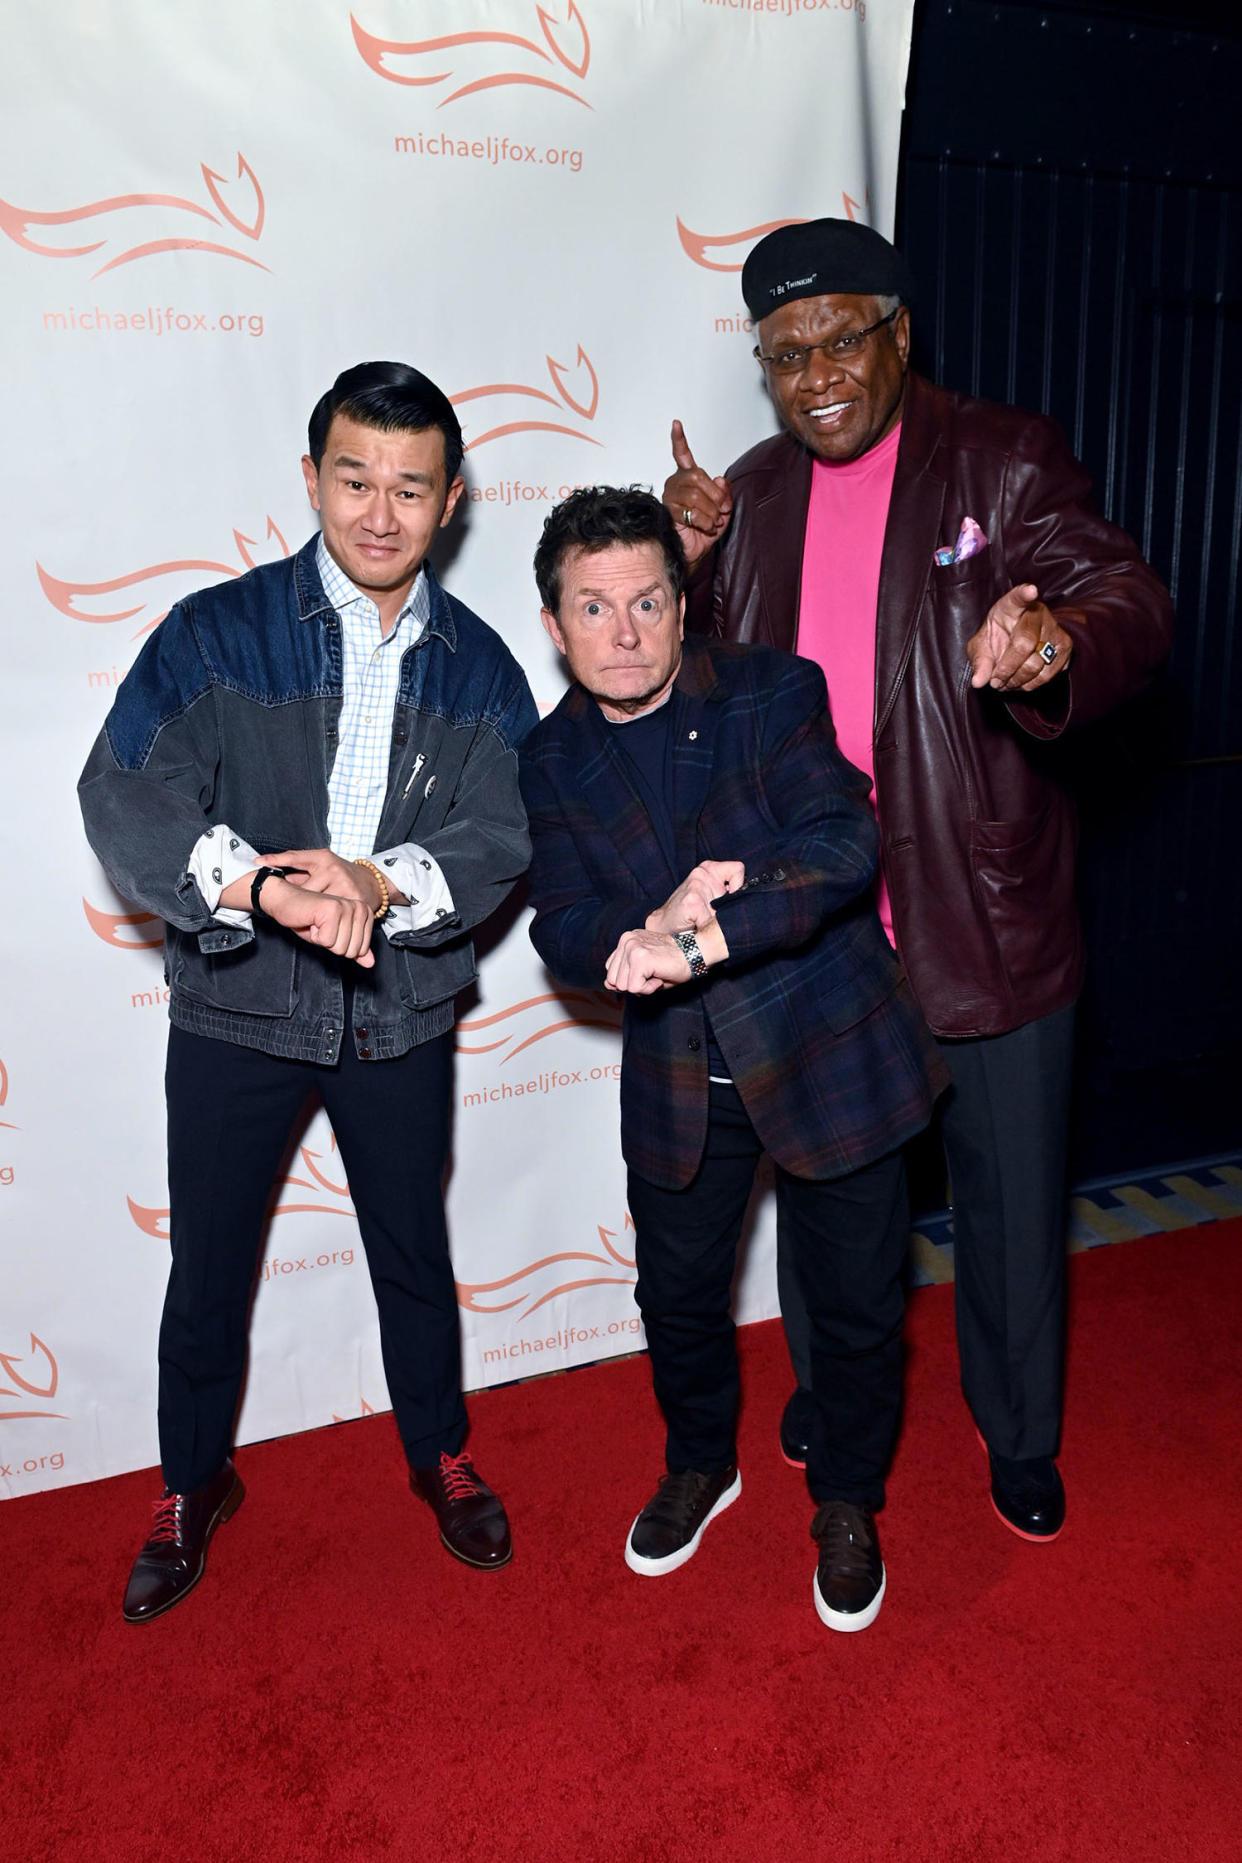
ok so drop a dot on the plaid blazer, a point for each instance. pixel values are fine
(811, 1010)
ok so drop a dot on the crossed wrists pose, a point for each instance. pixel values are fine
(653, 958)
(283, 702)
(807, 1044)
(330, 902)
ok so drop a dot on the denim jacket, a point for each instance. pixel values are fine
(230, 715)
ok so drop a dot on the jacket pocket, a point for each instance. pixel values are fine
(1018, 836)
(863, 977)
(977, 568)
(428, 977)
(1023, 872)
(255, 979)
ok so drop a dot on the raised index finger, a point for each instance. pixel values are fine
(681, 448)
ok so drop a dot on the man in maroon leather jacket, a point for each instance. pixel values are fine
(980, 664)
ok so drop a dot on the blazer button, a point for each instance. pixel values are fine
(361, 1034)
(694, 1044)
(364, 1054)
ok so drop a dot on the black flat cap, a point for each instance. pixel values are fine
(822, 258)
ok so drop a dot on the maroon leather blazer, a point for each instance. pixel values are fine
(978, 838)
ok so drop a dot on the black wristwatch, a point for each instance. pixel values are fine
(267, 873)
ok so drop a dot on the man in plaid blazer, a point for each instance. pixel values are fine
(701, 847)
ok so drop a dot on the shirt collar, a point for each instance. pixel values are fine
(342, 593)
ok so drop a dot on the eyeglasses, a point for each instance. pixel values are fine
(792, 360)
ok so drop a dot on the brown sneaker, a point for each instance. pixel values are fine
(174, 1557)
(669, 1529)
(850, 1580)
(473, 1524)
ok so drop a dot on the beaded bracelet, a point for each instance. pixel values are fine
(385, 895)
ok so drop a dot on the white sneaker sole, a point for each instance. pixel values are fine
(654, 1568)
(849, 1620)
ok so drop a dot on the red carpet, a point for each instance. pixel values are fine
(339, 1689)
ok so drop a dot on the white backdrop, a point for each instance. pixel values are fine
(207, 210)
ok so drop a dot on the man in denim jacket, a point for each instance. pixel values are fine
(311, 775)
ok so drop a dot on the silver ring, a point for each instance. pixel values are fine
(687, 518)
(1047, 652)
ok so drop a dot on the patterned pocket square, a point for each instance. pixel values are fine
(970, 540)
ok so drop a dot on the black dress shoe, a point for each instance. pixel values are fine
(175, 1555)
(850, 1578)
(473, 1524)
(795, 1434)
(1028, 1496)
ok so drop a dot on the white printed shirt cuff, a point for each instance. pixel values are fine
(411, 870)
(218, 858)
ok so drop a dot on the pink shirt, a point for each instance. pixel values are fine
(840, 587)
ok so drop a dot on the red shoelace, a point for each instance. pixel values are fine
(167, 1522)
(458, 1475)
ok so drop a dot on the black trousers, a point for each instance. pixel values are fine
(230, 1112)
(1005, 1126)
(848, 1238)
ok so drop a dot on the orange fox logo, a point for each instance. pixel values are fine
(415, 61)
(25, 1386)
(697, 246)
(583, 403)
(603, 1015)
(552, 1275)
(111, 925)
(245, 215)
(160, 584)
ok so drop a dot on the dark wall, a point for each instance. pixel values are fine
(1071, 203)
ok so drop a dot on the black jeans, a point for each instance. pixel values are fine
(848, 1236)
(230, 1112)
(1005, 1127)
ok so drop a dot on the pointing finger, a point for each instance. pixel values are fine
(1014, 603)
(681, 448)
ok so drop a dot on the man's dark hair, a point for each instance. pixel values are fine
(392, 398)
(594, 518)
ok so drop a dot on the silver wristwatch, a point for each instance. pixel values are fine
(690, 951)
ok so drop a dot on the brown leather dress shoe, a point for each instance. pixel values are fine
(175, 1555)
(472, 1521)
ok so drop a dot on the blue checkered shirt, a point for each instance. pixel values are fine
(371, 677)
